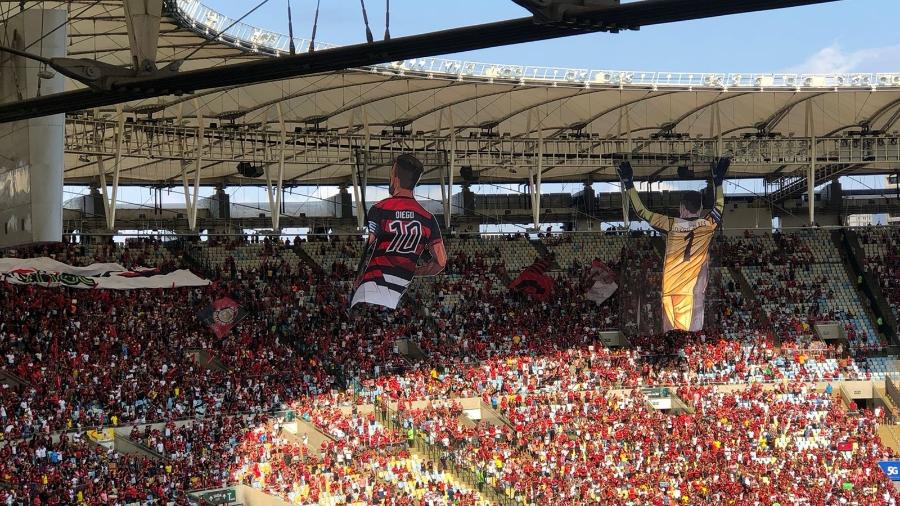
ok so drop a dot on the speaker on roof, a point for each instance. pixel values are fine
(247, 169)
(685, 172)
(468, 175)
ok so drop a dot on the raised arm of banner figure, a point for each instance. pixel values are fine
(719, 170)
(658, 221)
(400, 230)
(691, 201)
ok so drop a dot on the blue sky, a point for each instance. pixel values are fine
(848, 35)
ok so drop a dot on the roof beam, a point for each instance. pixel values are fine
(142, 18)
(625, 16)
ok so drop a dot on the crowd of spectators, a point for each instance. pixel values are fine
(788, 445)
(881, 246)
(799, 280)
(83, 359)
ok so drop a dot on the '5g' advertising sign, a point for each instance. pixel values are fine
(891, 468)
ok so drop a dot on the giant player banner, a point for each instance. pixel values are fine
(688, 237)
(51, 273)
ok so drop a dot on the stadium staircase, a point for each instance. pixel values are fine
(890, 436)
(846, 254)
(128, 446)
(750, 296)
(542, 249)
(881, 397)
(434, 453)
(679, 406)
(308, 260)
(505, 277)
(870, 288)
(10, 379)
(194, 256)
(795, 184)
(206, 360)
(316, 436)
(410, 348)
(492, 416)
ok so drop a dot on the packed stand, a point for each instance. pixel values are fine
(800, 280)
(106, 358)
(881, 246)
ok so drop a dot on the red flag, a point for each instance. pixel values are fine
(534, 282)
(604, 282)
(222, 315)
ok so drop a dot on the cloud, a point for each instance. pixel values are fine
(834, 59)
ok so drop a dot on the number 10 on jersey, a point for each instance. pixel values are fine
(407, 235)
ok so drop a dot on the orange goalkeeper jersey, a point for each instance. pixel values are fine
(685, 270)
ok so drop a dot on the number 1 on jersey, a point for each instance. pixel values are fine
(688, 245)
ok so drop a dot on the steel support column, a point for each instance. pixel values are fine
(715, 127)
(626, 203)
(179, 117)
(448, 212)
(110, 197)
(447, 193)
(359, 162)
(275, 194)
(626, 208)
(535, 174)
(190, 198)
(811, 176)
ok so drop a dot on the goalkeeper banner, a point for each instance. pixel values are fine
(604, 283)
(50, 273)
(686, 272)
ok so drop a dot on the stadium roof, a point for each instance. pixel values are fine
(493, 115)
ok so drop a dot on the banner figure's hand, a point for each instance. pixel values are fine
(626, 173)
(720, 169)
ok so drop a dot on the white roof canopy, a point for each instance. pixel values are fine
(491, 117)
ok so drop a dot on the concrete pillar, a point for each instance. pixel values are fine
(468, 199)
(346, 203)
(586, 204)
(220, 204)
(93, 204)
(31, 151)
(587, 199)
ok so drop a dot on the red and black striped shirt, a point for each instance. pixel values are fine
(403, 229)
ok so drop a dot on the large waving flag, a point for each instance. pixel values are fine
(604, 282)
(534, 282)
(222, 315)
(51, 273)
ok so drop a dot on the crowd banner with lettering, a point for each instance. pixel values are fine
(221, 496)
(50, 265)
(52, 274)
(102, 435)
